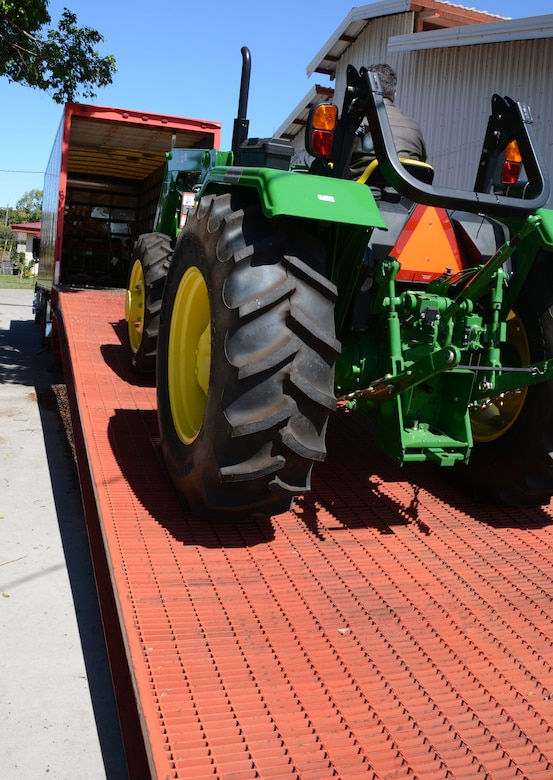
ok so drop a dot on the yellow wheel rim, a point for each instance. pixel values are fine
(189, 355)
(134, 306)
(493, 418)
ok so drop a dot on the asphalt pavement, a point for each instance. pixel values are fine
(57, 712)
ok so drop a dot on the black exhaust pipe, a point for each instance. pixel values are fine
(241, 124)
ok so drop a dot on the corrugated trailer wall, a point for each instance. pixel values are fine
(449, 90)
(50, 205)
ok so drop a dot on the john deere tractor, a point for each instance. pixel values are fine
(291, 293)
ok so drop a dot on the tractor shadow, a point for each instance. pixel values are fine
(357, 483)
(361, 487)
(135, 442)
(134, 439)
(118, 358)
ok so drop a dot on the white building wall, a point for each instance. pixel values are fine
(24, 245)
(448, 91)
(371, 47)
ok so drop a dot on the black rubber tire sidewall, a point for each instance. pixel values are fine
(218, 240)
(153, 251)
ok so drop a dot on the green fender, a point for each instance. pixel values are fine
(546, 227)
(297, 194)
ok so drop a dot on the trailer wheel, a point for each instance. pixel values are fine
(245, 373)
(512, 460)
(149, 264)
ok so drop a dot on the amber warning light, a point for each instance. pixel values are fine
(322, 122)
(512, 165)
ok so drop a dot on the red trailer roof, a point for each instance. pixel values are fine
(129, 144)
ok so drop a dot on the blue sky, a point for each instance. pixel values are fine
(184, 59)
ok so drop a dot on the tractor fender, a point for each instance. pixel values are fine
(545, 228)
(299, 194)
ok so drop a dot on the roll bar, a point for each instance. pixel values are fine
(509, 120)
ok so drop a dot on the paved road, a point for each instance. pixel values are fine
(57, 712)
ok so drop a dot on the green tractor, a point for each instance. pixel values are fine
(293, 293)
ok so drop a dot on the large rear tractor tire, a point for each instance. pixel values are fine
(512, 460)
(147, 273)
(246, 351)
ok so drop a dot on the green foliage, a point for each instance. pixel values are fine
(28, 208)
(23, 266)
(63, 62)
(17, 282)
(5, 231)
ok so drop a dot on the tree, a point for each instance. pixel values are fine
(28, 208)
(63, 62)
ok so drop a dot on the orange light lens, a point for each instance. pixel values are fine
(512, 153)
(324, 117)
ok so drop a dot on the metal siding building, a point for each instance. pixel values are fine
(446, 77)
(372, 46)
(449, 90)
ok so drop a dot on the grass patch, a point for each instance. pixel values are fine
(10, 282)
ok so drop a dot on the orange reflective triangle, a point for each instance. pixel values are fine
(427, 246)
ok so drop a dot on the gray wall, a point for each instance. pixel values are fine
(448, 90)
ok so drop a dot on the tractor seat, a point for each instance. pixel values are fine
(394, 208)
(381, 189)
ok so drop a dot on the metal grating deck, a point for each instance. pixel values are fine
(379, 630)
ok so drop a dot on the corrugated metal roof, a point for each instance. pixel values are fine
(326, 59)
(372, 46)
(429, 14)
(530, 28)
(295, 121)
(26, 227)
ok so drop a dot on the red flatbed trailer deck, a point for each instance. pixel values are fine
(387, 627)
